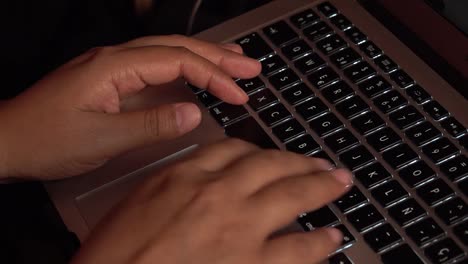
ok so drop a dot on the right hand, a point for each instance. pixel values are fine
(220, 206)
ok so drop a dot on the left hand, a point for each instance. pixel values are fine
(71, 122)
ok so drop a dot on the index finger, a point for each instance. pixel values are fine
(228, 59)
(132, 69)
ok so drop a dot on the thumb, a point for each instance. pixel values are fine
(134, 129)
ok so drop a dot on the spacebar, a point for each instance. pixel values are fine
(249, 130)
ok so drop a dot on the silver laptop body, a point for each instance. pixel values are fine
(82, 201)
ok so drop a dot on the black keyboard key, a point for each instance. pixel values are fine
(359, 71)
(424, 231)
(274, 114)
(461, 231)
(372, 175)
(288, 130)
(339, 258)
(416, 173)
(435, 110)
(325, 124)
(456, 168)
(422, 133)
(355, 35)
(389, 193)
(419, 95)
(304, 18)
(272, 65)
(296, 49)
(254, 46)
(303, 145)
(249, 130)
(330, 44)
(390, 101)
(453, 127)
(341, 140)
(406, 117)
(385, 63)
(195, 89)
(327, 9)
(317, 31)
(226, 113)
(365, 217)
(406, 212)
(251, 85)
(401, 78)
(284, 79)
(345, 57)
(262, 99)
(434, 191)
(399, 156)
(356, 158)
(341, 22)
(399, 254)
(207, 99)
(337, 92)
(309, 63)
(452, 211)
(440, 150)
(320, 218)
(370, 49)
(374, 86)
(383, 139)
(382, 237)
(443, 251)
(463, 185)
(297, 93)
(311, 108)
(323, 77)
(367, 123)
(350, 200)
(348, 238)
(352, 107)
(464, 141)
(280, 33)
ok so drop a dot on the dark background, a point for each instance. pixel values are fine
(39, 36)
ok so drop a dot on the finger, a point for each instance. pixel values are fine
(232, 47)
(215, 157)
(302, 248)
(129, 130)
(157, 65)
(228, 56)
(282, 201)
(255, 171)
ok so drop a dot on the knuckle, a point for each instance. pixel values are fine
(272, 155)
(104, 50)
(236, 142)
(151, 123)
(211, 196)
(177, 37)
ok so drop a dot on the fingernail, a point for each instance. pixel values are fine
(343, 176)
(335, 235)
(243, 95)
(325, 165)
(232, 47)
(188, 116)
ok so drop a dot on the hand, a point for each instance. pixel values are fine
(71, 121)
(220, 206)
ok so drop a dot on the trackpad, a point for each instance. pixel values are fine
(95, 204)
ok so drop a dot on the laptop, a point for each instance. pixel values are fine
(377, 86)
